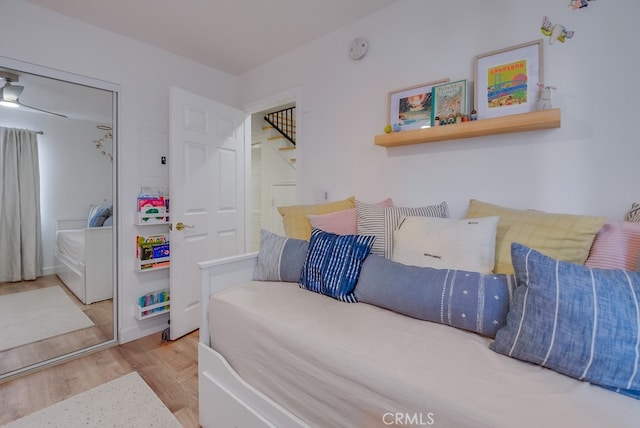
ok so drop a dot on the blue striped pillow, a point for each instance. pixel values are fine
(582, 322)
(98, 214)
(333, 263)
(279, 258)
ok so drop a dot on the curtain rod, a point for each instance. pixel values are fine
(37, 132)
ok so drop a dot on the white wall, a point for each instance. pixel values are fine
(73, 173)
(589, 165)
(144, 74)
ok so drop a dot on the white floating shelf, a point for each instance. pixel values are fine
(151, 262)
(140, 310)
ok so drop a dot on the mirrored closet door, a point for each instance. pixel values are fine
(57, 216)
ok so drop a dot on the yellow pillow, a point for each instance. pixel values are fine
(297, 224)
(561, 236)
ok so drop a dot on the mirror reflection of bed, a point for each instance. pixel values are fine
(69, 307)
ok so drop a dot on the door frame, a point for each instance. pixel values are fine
(293, 95)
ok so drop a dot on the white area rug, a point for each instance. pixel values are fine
(124, 402)
(34, 315)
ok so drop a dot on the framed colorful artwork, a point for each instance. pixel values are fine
(410, 108)
(506, 80)
(449, 100)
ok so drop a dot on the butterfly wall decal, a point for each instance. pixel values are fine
(579, 4)
(555, 31)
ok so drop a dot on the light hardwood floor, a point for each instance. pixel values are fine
(170, 369)
(101, 313)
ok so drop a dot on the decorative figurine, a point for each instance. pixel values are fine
(554, 31)
(544, 97)
(436, 121)
(396, 127)
(388, 129)
(578, 4)
(474, 114)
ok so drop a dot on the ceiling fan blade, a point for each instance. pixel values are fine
(39, 109)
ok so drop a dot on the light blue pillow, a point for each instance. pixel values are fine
(98, 214)
(582, 322)
(333, 263)
(467, 300)
(280, 258)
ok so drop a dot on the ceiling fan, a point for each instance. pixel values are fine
(10, 93)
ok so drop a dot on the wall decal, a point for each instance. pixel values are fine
(579, 4)
(555, 31)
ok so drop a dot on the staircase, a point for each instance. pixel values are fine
(284, 121)
(283, 124)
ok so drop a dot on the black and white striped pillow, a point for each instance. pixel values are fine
(381, 222)
(633, 214)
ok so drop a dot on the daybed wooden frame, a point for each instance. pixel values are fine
(225, 399)
(92, 280)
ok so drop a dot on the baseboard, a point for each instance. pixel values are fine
(144, 328)
(49, 270)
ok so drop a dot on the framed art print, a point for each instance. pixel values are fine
(449, 100)
(410, 108)
(506, 80)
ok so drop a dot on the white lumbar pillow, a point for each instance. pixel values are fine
(445, 243)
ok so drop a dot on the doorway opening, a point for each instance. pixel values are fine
(274, 166)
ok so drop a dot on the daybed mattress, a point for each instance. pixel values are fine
(71, 244)
(337, 364)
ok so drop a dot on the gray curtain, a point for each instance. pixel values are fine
(20, 230)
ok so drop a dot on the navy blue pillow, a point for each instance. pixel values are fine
(467, 300)
(579, 321)
(333, 263)
(98, 214)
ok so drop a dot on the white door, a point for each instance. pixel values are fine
(282, 194)
(207, 187)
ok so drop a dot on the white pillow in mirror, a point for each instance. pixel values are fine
(445, 243)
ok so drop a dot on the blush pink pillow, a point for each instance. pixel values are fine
(616, 246)
(343, 222)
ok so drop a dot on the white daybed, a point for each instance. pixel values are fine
(85, 259)
(281, 356)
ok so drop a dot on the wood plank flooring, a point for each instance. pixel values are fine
(101, 313)
(170, 369)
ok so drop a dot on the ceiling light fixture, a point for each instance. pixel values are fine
(9, 95)
(9, 104)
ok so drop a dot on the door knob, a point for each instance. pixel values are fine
(180, 225)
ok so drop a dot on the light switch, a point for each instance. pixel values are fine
(321, 196)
